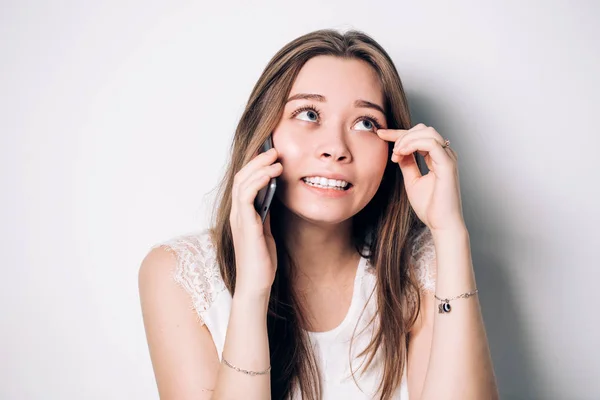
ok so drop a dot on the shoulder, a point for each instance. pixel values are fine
(423, 257)
(189, 260)
(183, 354)
(191, 247)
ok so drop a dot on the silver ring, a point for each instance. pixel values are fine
(446, 144)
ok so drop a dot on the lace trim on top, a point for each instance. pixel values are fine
(423, 259)
(198, 273)
(197, 270)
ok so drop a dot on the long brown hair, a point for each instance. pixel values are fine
(384, 226)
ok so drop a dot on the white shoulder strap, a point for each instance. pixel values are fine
(197, 270)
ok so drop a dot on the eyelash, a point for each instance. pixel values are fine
(368, 117)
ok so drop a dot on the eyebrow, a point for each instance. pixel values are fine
(317, 97)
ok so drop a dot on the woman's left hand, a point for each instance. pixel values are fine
(435, 197)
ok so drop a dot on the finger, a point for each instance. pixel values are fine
(410, 168)
(406, 138)
(248, 190)
(261, 160)
(391, 135)
(241, 183)
(425, 131)
(247, 194)
(427, 146)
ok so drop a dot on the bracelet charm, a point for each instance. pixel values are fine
(444, 307)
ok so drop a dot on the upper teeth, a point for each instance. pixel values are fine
(326, 182)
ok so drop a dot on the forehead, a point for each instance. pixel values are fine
(339, 80)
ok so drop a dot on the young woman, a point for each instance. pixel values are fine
(359, 285)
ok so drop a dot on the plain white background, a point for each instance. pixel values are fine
(116, 120)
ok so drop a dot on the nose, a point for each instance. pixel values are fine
(334, 147)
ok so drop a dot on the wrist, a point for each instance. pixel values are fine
(457, 233)
(249, 307)
(252, 295)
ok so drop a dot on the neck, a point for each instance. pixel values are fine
(323, 254)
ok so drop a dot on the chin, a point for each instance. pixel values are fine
(318, 212)
(322, 217)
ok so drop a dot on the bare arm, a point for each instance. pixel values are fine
(459, 365)
(246, 347)
(183, 354)
(419, 348)
(184, 357)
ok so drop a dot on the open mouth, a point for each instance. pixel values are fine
(324, 183)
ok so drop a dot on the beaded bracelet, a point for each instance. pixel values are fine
(252, 373)
(444, 307)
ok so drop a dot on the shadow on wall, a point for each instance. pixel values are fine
(505, 325)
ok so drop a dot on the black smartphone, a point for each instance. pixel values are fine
(262, 201)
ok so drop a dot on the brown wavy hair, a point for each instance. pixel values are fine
(385, 225)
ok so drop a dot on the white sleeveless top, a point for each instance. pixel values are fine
(198, 273)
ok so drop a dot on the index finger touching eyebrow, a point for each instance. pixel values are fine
(391, 134)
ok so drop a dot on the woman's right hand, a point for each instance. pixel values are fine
(255, 252)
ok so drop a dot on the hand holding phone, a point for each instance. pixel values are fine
(262, 202)
(253, 242)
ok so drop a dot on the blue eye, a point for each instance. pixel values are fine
(311, 111)
(314, 114)
(310, 114)
(368, 124)
(371, 121)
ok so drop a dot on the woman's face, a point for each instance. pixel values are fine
(331, 135)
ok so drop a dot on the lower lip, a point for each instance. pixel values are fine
(332, 193)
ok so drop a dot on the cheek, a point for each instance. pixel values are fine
(382, 151)
(375, 155)
(374, 159)
(291, 151)
(288, 146)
